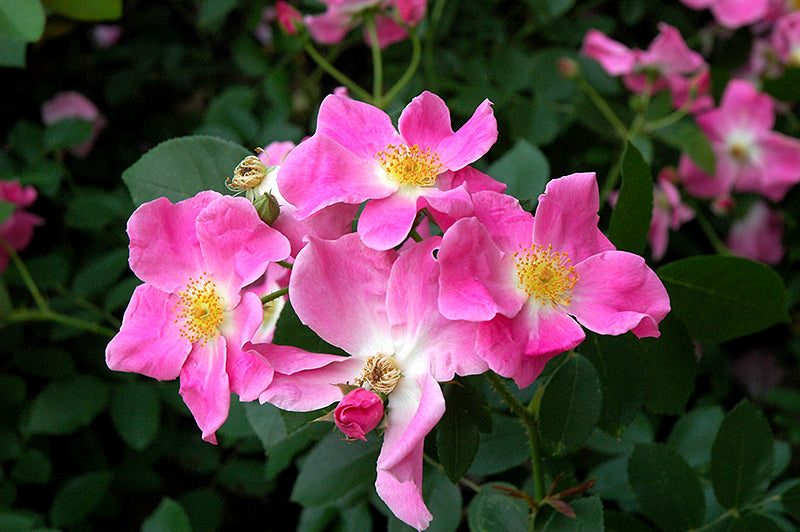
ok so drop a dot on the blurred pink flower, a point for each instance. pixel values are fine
(733, 13)
(527, 279)
(785, 39)
(763, 62)
(106, 35)
(356, 154)
(17, 229)
(192, 316)
(342, 16)
(358, 412)
(288, 17)
(380, 307)
(667, 63)
(758, 235)
(750, 157)
(71, 104)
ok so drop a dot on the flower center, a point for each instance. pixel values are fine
(199, 310)
(380, 374)
(408, 165)
(248, 174)
(545, 275)
(740, 146)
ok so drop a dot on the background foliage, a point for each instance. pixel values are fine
(673, 439)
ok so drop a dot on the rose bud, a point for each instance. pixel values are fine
(358, 412)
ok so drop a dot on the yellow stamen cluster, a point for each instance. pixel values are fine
(739, 152)
(408, 165)
(199, 310)
(380, 373)
(248, 174)
(545, 275)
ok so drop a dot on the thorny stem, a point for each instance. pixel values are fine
(274, 295)
(527, 419)
(377, 62)
(336, 73)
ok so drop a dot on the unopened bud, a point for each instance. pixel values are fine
(289, 19)
(268, 208)
(568, 68)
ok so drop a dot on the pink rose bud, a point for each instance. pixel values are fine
(288, 17)
(358, 412)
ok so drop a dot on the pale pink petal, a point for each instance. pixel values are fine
(477, 279)
(149, 342)
(658, 236)
(781, 161)
(389, 32)
(385, 222)
(69, 104)
(738, 13)
(329, 27)
(275, 152)
(510, 226)
(745, 107)
(304, 381)
(249, 374)
(545, 331)
(338, 288)
(164, 249)
(566, 217)
(329, 224)
(669, 51)
(361, 128)
(414, 409)
(471, 141)
(455, 202)
(617, 292)
(758, 235)
(236, 244)
(320, 172)
(700, 184)
(411, 302)
(204, 386)
(613, 56)
(426, 122)
(504, 352)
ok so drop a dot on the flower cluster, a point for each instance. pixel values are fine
(445, 275)
(16, 231)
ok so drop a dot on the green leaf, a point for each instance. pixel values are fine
(213, 12)
(617, 360)
(180, 168)
(32, 467)
(101, 273)
(12, 53)
(741, 456)
(334, 468)
(502, 449)
(205, 508)
(244, 477)
(524, 168)
(570, 406)
(266, 422)
(78, 497)
(690, 139)
(87, 10)
(630, 221)
(667, 488)
(791, 501)
(588, 517)
(750, 522)
(493, 511)
(66, 134)
(443, 500)
(6, 210)
(785, 88)
(693, 434)
(671, 367)
(64, 406)
(456, 435)
(22, 20)
(168, 517)
(136, 414)
(719, 298)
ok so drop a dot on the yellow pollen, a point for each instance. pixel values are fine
(380, 374)
(739, 152)
(199, 310)
(408, 165)
(545, 275)
(248, 174)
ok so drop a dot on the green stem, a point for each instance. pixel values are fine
(285, 264)
(604, 108)
(711, 234)
(529, 422)
(734, 512)
(336, 73)
(433, 23)
(48, 315)
(641, 114)
(409, 73)
(274, 295)
(26, 277)
(665, 121)
(415, 236)
(377, 61)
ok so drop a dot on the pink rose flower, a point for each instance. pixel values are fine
(17, 229)
(732, 13)
(750, 157)
(356, 154)
(524, 278)
(71, 104)
(380, 307)
(192, 316)
(758, 235)
(358, 412)
(785, 39)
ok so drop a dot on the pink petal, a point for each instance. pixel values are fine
(389, 32)
(320, 172)
(359, 127)
(411, 11)
(617, 292)
(249, 374)
(545, 331)
(613, 56)
(738, 13)
(745, 107)
(700, 184)
(338, 288)
(236, 244)
(503, 349)
(669, 51)
(149, 342)
(414, 409)
(204, 387)
(455, 202)
(510, 226)
(329, 27)
(477, 279)
(384, 223)
(781, 162)
(164, 249)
